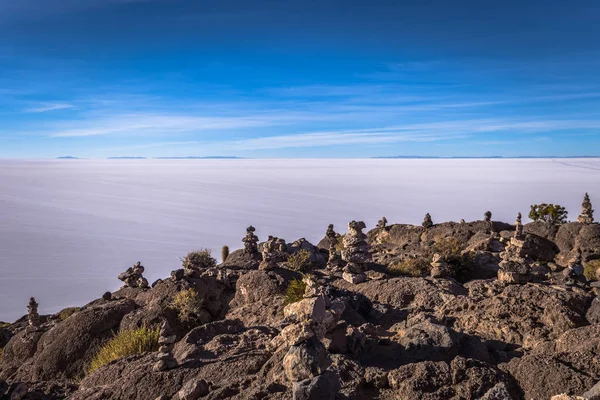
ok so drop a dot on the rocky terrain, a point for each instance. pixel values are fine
(469, 310)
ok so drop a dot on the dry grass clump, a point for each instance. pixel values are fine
(124, 344)
(199, 259)
(1, 352)
(411, 267)
(589, 269)
(188, 305)
(67, 312)
(295, 291)
(300, 261)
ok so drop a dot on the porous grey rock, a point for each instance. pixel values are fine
(321, 387)
(193, 390)
(306, 360)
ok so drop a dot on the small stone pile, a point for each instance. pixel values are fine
(307, 360)
(250, 241)
(165, 359)
(439, 267)
(515, 266)
(32, 315)
(335, 260)
(133, 277)
(427, 222)
(356, 253)
(573, 274)
(382, 223)
(587, 213)
(330, 233)
(487, 217)
(273, 252)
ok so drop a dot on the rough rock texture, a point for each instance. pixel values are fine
(389, 337)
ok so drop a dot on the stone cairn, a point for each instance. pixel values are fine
(273, 252)
(335, 260)
(487, 217)
(515, 266)
(573, 274)
(587, 214)
(382, 223)
(307, 360)
(427, 222)
(439, 267)
(330, 233)
(32, 315)
(133, 277)
(250, 241)
(166, 341)
(356, 253)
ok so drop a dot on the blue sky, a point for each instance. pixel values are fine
(351, 78)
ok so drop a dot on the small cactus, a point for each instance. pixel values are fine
(224, 253)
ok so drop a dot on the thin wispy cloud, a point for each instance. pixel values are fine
(49, 107)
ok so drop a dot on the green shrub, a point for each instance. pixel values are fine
(199, 259)
(553, 214)
(124, 344)
(300, 261)
(589, 269)
(4, 324)
(224, 253)
(451, 251)
(295, 291)
(188, 305)
(411, 267)
(67, 312)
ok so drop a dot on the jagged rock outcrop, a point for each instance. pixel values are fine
(274, 333)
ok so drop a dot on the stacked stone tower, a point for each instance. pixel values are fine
(587, 213)
(250, 241)
(356, 253)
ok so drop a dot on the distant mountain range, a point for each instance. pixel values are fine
(156, 158)
(489, 157)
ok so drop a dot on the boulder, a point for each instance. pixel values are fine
(305, 360)
(593, 313)
(428, 341)
(321, 387)
(63, 351)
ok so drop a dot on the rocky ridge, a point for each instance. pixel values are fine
(494, 311)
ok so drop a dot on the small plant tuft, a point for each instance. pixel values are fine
(295, 291)
(411, 267)
(300, 261)
(590, 268)
(188, 305)
(451, 250)
(124, 344)
(224, 253)
(67, 312)
(199, 259)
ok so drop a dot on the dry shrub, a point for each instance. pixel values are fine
(300, 261)
(188, 305)
(589, 269)
(67, 312)
(411, 267)
(199, 259)
(124, 344)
